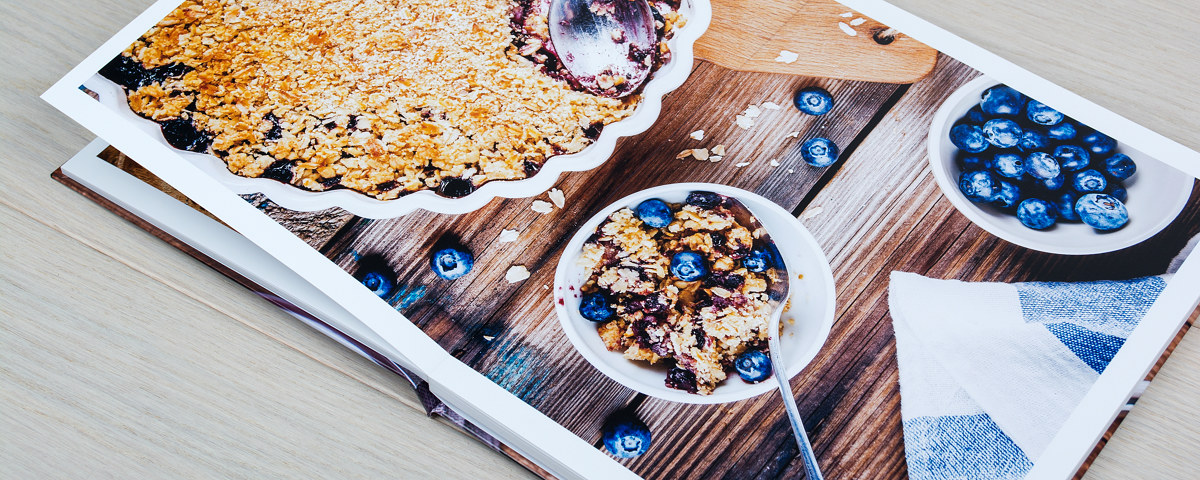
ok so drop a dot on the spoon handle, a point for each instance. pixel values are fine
(812, 470)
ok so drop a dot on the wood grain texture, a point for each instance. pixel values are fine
(748, 36)
(137, 287)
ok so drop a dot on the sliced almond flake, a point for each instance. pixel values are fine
(697, 135)
(812, 213)
(858, 21)
(744, 122)
(774, 162)
(558, 197)
(740, 165)
(507, 236)
(847, 29)
(489, 337)
(787, 57)
(715, 158)
(847, 14)
(719, 149)
(770, 106)
(516, 273)
(793, 135)
(752, 111)
(541, 207)
(545, 287)
(700, 154)
(687, 153)
(791, 170)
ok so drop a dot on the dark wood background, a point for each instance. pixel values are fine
(877, 210)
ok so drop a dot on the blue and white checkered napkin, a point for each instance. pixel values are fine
(989, 372)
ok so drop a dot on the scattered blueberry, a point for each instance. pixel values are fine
(1065, 204)
(820, 151)
(596, 307)
(980, 186)
(1063, 131)
(452, 262)
(1101, 211)
(1037, 112)
(688, 266)
(1117, 190)
(970, 163)
(379, 283)
(1036, 213)
(1099, 143)
(1008, 195)
(1002, 132)
(1001, 100)
(625, 436)
(1009, 165)
(1072, 157)
(758, 260)
(753, 366)
(1089, 181)
(813, 100)
(968, 138)
(655, 213)
(1033, 139)
(1120, 166)
(1042, 166)
(703, 199)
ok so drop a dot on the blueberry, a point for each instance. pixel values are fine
(688, 266)
(1002, 100)
(625, 436)
(1101, 211)
(452, 262)
(1072, 157)
(1120, 166)
(753, 366)
(1099, 143)
(1089, 181)
(703, 199)
(281, 170)
(1050, 184)
(379, 283)
(181, 133)
(1008, 195)
(1036, 213)
(126, 72)
(975, 115)
(1002, 132)
(1063, 131)
(813, 100)
(596, 307)
(820, 152)
(1033, 139)
(1042, 166)
(979, 187)
(970, 163)
(1008, 165)
(1037, 112)
(655, 213)
(455, 187)
(758, 260)
(1117, 190)
(1065, 204)
(969, 138)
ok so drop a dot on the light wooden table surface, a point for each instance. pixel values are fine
(122, 357)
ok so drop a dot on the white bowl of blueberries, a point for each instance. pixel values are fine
(1037, 178)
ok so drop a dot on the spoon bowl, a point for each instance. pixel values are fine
(608, 46)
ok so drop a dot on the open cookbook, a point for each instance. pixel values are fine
(964, 270)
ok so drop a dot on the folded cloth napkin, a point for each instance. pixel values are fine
(989, 372)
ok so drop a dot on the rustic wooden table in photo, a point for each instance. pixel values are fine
(123, 356)
(876, 210)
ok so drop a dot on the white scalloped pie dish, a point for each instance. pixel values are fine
(667, 78)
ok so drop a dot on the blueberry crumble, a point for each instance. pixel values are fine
(690, 293)
(382, 98)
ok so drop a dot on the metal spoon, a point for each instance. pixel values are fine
(777, 293)
(607, 45)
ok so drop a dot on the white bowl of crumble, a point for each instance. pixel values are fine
(382, 109)
(675, 334)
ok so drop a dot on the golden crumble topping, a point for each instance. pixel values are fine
(385, 98)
